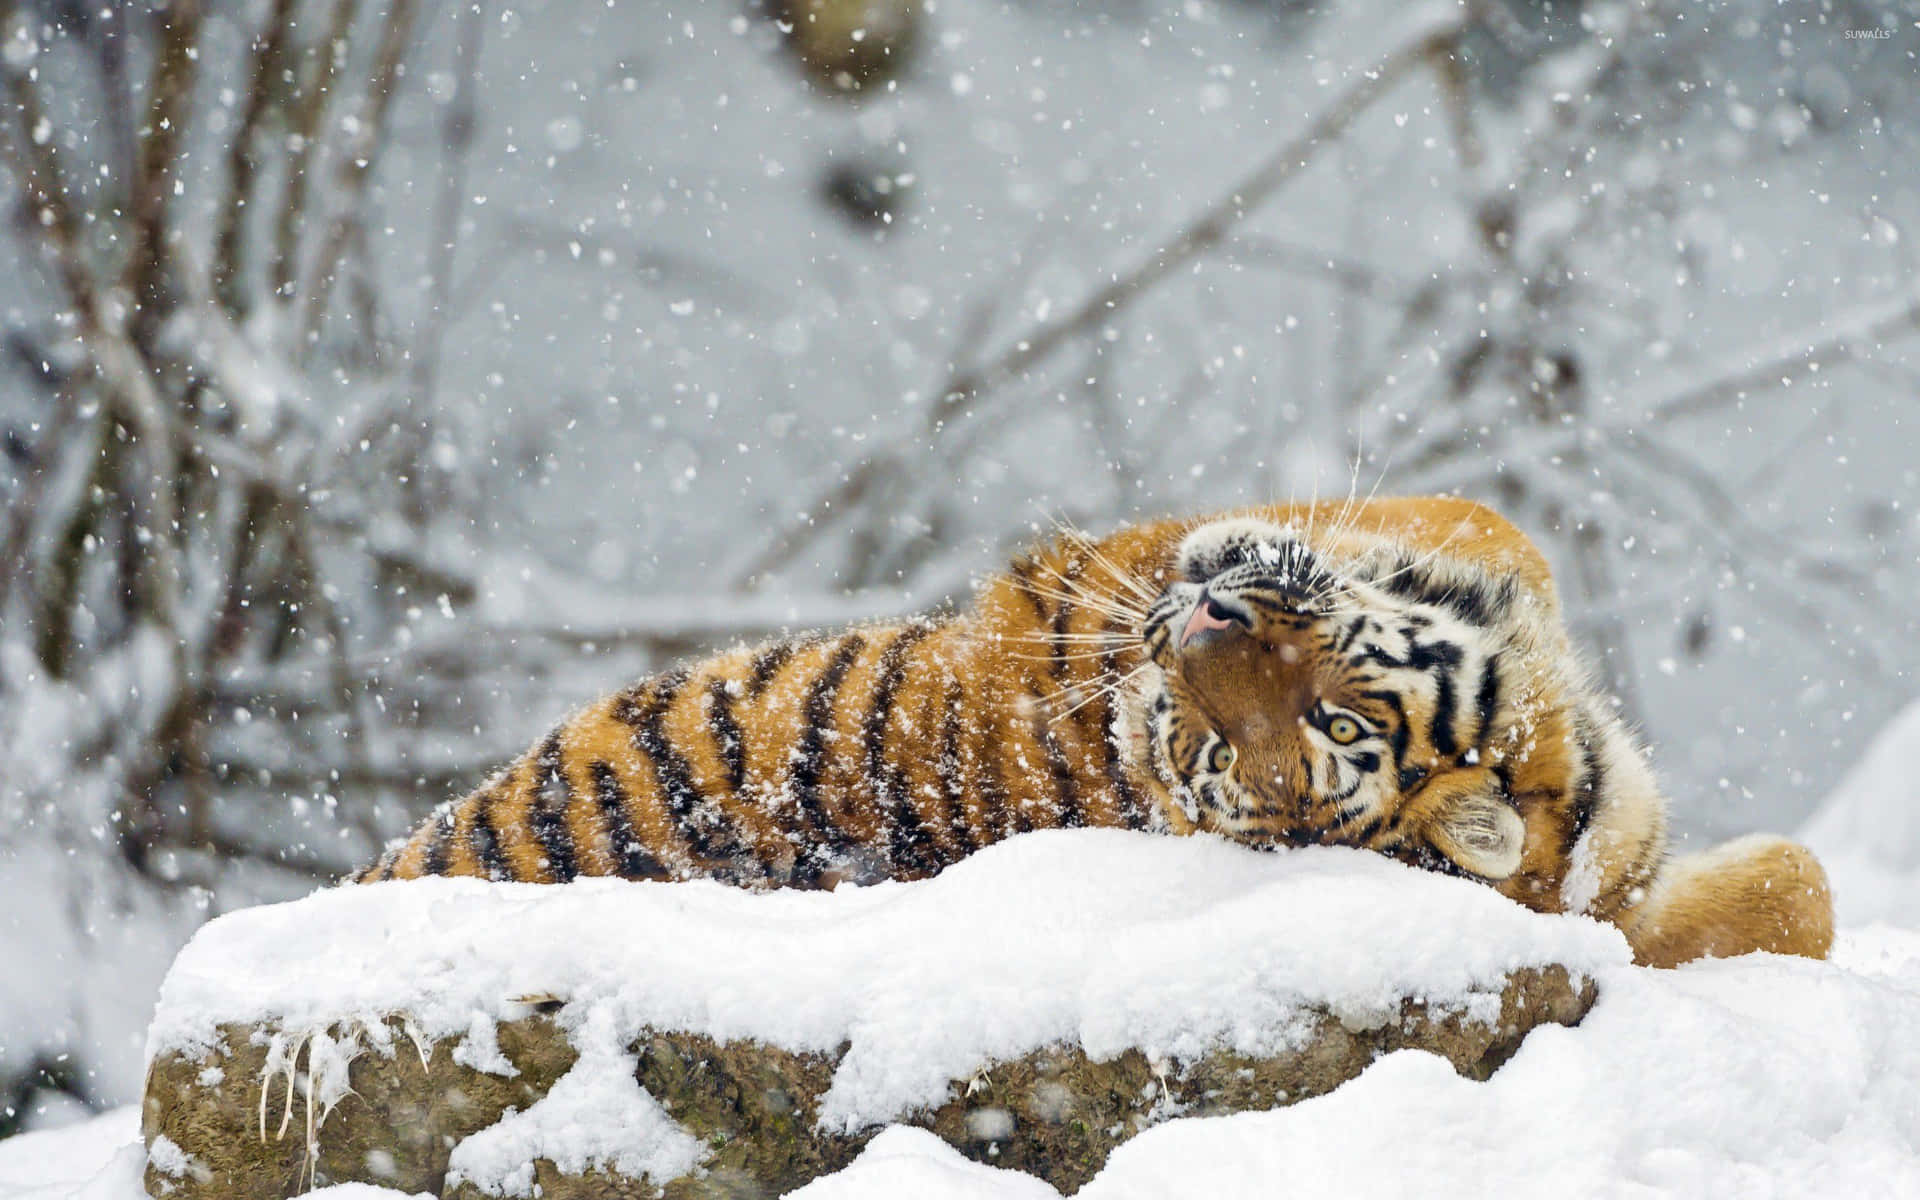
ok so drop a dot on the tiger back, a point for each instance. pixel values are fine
(1392, 674)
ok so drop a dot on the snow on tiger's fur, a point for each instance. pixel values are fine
(1389, 674)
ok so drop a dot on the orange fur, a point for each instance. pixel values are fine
(890, 751)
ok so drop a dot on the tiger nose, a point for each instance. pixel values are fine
(1211, 616)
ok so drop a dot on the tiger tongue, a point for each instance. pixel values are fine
(1202, 621)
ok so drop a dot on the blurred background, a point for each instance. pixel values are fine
(381, 378)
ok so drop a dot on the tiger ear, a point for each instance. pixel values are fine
(1480, 831)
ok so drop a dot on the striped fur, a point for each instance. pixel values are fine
(1391, 674)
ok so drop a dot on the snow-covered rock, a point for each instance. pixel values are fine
(1035, 1006)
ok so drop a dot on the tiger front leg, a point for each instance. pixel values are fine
(1753, 893)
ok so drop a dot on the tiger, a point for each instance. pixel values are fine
(1391, 674)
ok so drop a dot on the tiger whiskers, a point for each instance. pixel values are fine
(1115, 637)
(1073, 656)
(1084, 544)
(1349, 590)
(1094, 691)
(1072, 592)
(1105, 601)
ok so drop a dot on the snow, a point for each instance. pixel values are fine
(709, 344)
(904, 1161)
(100, 1159)
(1111, 939)
(597, 1116)
(1760, 1076)
(112, 968)
(1868, 831)
(1754, 1077)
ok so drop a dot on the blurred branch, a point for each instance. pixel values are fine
(1427, 46)
(353, 168)
(315, 89)
(1834, 340)
(652, 263)
(36, 156)
(300, 859)
(169, 105)
(1429, 42)
(457, 134)
(270, 63)
(1350, 273)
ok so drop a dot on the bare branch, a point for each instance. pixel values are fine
(316, 89)
(36, 156)
(353, 169)
(1350, 273)
(1802, 356)
(1429, 46)
(458, 134)
(243, 157)
(1431, 41)
(169, 103)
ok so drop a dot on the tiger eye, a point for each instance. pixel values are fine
(1221, 757)
(1344, 730)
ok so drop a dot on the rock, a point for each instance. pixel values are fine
(238, 1120)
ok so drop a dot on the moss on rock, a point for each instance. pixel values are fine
(1054, 1113)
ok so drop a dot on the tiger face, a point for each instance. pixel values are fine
(1312, 693)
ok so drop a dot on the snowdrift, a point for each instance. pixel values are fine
(1868, 830)
(1034, 1006)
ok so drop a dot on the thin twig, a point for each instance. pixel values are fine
(459, 126)
(169, 104)
(965, 388)
(243, 158)
(353, 170)
(316, 90)
(1835, 340)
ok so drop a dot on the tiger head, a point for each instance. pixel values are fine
(1346, 689)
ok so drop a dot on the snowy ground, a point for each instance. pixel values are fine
(1759, 1076)
(1755, 1077)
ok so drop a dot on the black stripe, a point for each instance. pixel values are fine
(1401, 735)
(552, 796)
(629, 850)
(1062, 618)
(993, 790)
(434, 861)
(1066, 788)
(767, 664)
(1022, 572)
(726, 733)
(1133, 809)
(1127, 799)
(1353, 631)
(909, 844)
(1487, 701)
(1157, 764)
(952, 771)
(486, 842)
(1593, 778)
(827, 843)
(696, 819)
(1364, 834)
(1472, 601)
(1439, 659)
